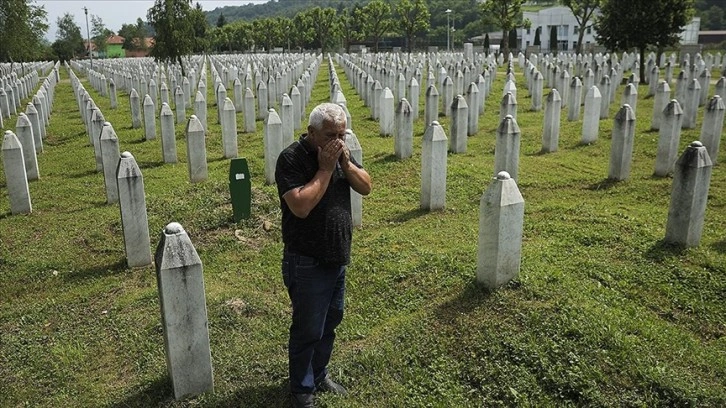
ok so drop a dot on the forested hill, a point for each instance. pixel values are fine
(273, 8)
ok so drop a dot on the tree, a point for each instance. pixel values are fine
(134, 35)
(221, 21)
(69, 41)
(303, 27)
(173, 22)
(553, 38)
(376, 19)
(22, 26)
(537, 40)
(512, 39)
(620, 27)
(507, 14)
(99, 34)
(323, 24)
(486, 43)
(583, 10)
(413, 17)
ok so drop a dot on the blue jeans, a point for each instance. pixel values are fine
(317, 294)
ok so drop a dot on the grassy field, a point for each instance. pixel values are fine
(603, 312)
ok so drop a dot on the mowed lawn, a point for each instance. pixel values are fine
(603, 313)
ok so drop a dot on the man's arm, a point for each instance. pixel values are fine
(302, 200)
(358, 178)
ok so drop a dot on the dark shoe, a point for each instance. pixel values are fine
(328, 385)
(302, 400)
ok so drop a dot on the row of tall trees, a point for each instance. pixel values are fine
(22, 27)
(327, 27)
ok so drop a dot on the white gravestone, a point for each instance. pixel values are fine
(168, 134)
(196, 150)
(669, 137)
(433, 168)
(109, 156)
(272, 144)
(501, 221)
(180, 279)
(229, 129)
(356, 200)
(132, 202)
(16, 179)
(506, 151)
(621, 149)
(689, 196)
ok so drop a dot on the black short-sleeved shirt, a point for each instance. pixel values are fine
(325, 234)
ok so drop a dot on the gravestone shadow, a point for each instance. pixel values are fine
(388, 158)
(96, 271)
(156, 394)
(719, 246)
(604, 184)
(276, 395)
(149, 164)
(663, 250)
(408, 215)
(83, 174)
(472, 297)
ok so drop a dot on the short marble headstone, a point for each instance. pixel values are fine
(669, 137)
(689, 196)
(356, 200)
(16, 179)
(24, 132)
(403, 139)
(168, 134)
(431, 107)
(621, 149)
(109, 155)
(662, 96)
(180, 280)
(712, 127)
(132, 202)
(149, 118)
(433, 168)
(272, 144)
(135, 103)
(591, 115)
(458, 136)
(506, 150)
(501, 221)
(551, 131)
(196, 150)
(229, 129)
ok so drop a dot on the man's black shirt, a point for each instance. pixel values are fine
(325, 234)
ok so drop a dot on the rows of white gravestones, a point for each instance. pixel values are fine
(383, 79)
(183, 304)
(501, 206)
(20, 149)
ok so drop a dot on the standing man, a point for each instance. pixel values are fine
(314, 176)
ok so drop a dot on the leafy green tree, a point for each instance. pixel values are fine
(350, 27)
(376, 19)
(507, 14)
(413, 19)
(221, 21)
(620, 27)
(134, 35)
(199, 28)
(713, 18)
(99, 34)
(583, 11)
(22, 26)
(323, 23)
(69, 41)
(173, 22)
(303, 27)
(267, 33)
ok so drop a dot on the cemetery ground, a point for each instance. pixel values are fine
(603, 313)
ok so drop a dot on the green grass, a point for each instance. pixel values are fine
(603, 312)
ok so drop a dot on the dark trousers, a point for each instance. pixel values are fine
(317, 294)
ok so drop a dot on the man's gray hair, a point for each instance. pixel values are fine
(326, 112)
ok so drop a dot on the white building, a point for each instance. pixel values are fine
(567, 29)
